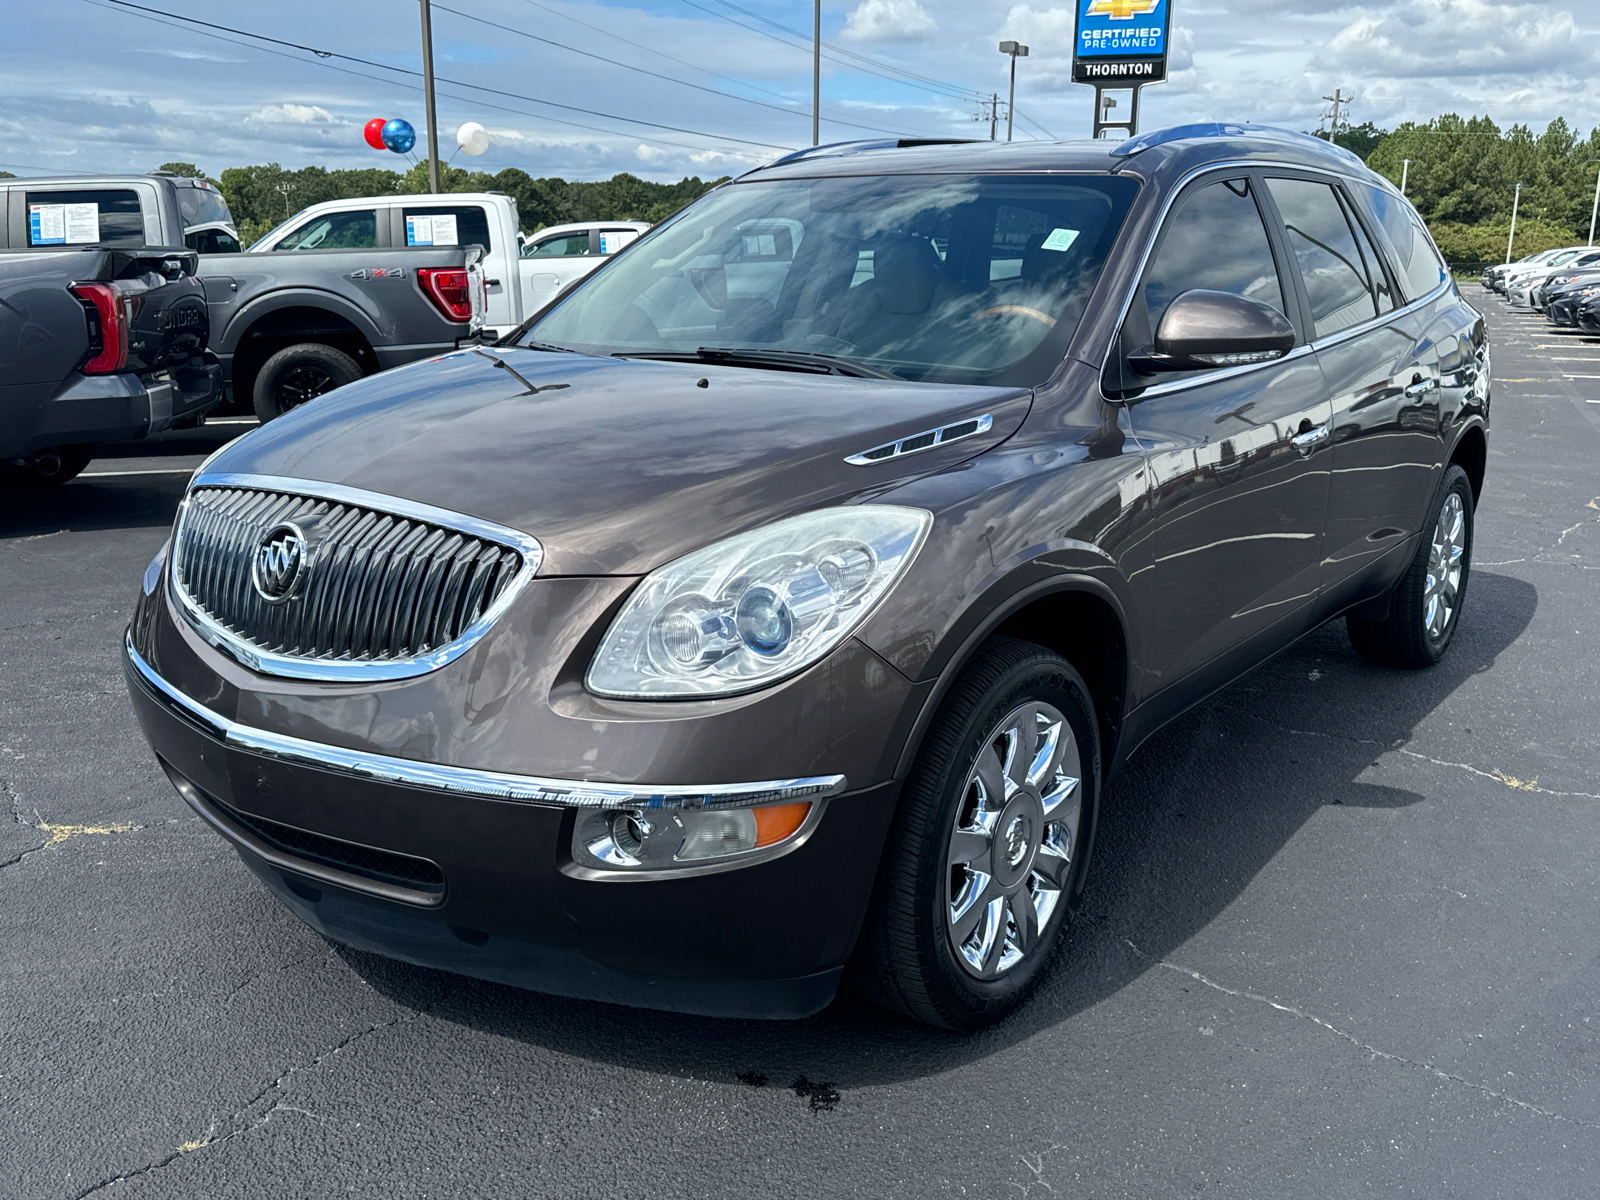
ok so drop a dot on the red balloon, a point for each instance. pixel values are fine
(373, 132)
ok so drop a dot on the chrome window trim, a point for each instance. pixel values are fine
(1310, 347)
(979, 425)
(288, 666)
(469, 781)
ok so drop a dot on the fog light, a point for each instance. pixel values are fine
(636, 840)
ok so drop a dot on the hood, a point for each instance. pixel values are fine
(622, 464)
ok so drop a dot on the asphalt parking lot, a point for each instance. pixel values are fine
(1342, 937)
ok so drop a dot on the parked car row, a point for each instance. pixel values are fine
(340, 290)
(1564, 284)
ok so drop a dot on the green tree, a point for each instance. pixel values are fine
(186, 170)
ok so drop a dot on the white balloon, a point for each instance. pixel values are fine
(473, 138)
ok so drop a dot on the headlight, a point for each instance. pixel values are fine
(751, 610)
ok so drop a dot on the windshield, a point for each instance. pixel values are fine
(939, 277)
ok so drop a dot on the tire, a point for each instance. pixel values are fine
(46, 469)
(915, 954)
(300, 373)
(1425, 606)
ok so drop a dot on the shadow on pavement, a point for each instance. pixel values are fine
(1197, 813)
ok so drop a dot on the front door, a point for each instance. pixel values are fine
(1238, 457)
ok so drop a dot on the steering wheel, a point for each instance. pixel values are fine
(1018, 310)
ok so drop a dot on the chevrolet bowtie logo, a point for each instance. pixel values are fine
(1122, 10)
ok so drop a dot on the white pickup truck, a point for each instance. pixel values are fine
(523, 272)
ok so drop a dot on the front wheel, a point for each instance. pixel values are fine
(986, 861)
(1425, 606)
(300, 373)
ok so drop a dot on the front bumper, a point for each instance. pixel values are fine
(431, 865)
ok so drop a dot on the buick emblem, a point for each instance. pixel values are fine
(280, 562)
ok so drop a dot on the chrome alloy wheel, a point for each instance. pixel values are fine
(1443, 585)
(1016, 830)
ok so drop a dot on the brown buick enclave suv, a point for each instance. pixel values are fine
(771, 609)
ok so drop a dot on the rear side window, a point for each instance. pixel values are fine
(1417, 261)
(211, 241)
(560, 247)
(1381, 290)
(335, 231)
(612, 240)
(1325, 247)
(448, 225)
(107, 216)
(1216, 240)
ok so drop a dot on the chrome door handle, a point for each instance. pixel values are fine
(1421, 388)
(1307, 440)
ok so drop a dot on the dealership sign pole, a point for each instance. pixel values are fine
(1120, 44)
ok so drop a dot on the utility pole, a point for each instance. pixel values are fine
(1016, 50)
(816, 74)
(1516, 198)
(1405, 170)
(1338, 98)
(992, 115)
(427, 89)
(286, 188)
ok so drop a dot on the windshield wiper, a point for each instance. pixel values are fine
(825, 364)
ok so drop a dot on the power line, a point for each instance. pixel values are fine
(834, 54)
(862, 58)
(787, 111)
(367, 62)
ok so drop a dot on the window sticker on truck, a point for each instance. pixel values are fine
(63, 224)
(439, 230)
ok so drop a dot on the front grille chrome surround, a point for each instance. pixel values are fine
(401, 588)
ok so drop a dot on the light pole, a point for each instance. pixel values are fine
(1016, 50)
(1595, 210)
(816, 74)
(427, 90)
(1516, 197)
(1405, 170)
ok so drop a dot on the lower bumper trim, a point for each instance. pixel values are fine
(552, 969)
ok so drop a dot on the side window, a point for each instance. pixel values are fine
(453, 225)
(1381, 290)
(335, 231)
(1215, 240)
(560, 247)
(107, 216)
(1319, 234)
(1418, 263)
(612, 240)
(211, 241)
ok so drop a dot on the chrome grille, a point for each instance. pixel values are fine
(389, 588)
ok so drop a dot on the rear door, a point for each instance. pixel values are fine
(1238, 457)
(1379, 349)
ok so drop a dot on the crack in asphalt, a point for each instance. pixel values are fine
(210, 1138)
(1301, 1014)
(1538, 556)
(1494, 773)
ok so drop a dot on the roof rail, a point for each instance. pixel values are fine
(836, 148)
(1217, 129)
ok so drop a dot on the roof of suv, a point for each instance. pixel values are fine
(1181, 147)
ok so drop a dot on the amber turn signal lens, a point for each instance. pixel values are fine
(774, 822)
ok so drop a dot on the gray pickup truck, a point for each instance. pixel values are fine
(286, 326)
(97, 345)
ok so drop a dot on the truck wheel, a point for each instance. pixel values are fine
(296, 374)
(45, 469)
(986, 862)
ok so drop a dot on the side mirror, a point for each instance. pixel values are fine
(1203, 329)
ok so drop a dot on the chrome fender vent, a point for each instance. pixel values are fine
(925, 440)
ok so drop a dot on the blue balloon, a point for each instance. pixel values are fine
(399, 136)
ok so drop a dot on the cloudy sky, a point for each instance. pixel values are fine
(709, 86)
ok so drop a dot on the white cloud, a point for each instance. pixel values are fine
(888, 21)
(651, 154)
(1417, 38)
(294, 114)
